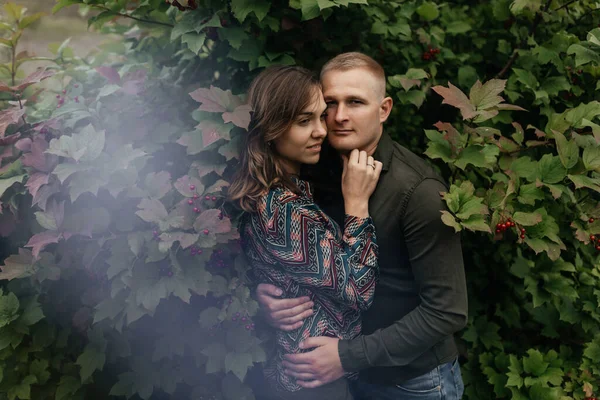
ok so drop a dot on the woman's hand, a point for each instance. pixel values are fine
(359, 180)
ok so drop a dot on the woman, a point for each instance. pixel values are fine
(288, 240)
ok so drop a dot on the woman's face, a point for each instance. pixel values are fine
(302, 143)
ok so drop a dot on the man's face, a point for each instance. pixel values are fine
(354, 109)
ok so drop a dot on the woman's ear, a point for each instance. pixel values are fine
(385, 108)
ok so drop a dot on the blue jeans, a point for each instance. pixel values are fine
(442, 383)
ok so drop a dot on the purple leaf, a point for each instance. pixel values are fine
(35, 181)
(9, 139)
(189, 186)
(41, 240)
(210, 220)
(38, 159)
(17, 266)
(24, 144)
(35, 77)
(109, 73)
(43, 194)
(213, 99)
(240, 116)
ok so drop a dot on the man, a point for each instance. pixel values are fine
(406, 350)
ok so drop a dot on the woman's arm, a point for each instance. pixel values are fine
(299, 238)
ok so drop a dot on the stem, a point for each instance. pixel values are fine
(536, 22)
(13, 71)
(586, 14)
(148, 21)
(565, 5)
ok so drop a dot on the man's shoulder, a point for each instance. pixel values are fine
(411, 169)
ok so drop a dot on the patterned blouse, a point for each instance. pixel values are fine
(291, 243)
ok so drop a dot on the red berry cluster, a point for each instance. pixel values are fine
(63, 98)
(590, 398)
(430, 54)
(156, 235)
(191, 4)
(503, 226)
(217, 260)
(243, 319)
(195, 250)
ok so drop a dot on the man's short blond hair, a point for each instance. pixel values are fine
(355, 60)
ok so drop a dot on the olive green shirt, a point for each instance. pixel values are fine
(421, 297)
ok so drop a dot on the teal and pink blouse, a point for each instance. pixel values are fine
(291, 243)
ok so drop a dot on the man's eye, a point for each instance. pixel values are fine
(324, 115)
(355, 101)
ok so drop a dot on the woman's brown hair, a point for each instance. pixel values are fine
(277, 96)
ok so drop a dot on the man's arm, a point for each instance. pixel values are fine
(436, 260)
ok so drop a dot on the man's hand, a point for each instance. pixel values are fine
(317, 367)
(284, 314)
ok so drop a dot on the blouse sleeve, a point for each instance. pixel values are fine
(301, 239)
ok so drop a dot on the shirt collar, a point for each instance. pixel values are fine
(384, 151)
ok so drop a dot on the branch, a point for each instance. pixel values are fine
(536, 22)
(586, 14)
(148, 21)
(565, 5)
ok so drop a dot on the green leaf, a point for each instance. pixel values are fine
(534, 364)
(32, 311)
(568, 151)
(152, 210)
(6, 183)
(238, 363)
(526, 78)
(583, 54)
(527, 219)
(550, 169)
(448, 219)
(241, 8)
(487, 96)
(194, 41)
(17, 266)
(64, 170)
(68, 386)
(90, 360)
(476, 223)
(524, 168)
(584, 181)
(234, 35)
(592, 349)
(83, 146)
(60, 4)
(555, 84)
(414, 97)
(216, 357)
(478, 156)
(591, 158)
(530, 193)
(23, 389)
(428, 11)
(472, 206)
(457, 27)
(9, 307)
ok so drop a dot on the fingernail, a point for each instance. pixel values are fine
(278, 292)
(301, 345)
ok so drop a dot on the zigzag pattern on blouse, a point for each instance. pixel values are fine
(291, 243)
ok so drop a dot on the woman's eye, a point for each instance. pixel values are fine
(304, 122)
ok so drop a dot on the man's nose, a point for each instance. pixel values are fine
(340, 114)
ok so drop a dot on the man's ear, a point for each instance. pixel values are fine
(385, 108)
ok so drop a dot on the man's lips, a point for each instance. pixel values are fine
(341, 131)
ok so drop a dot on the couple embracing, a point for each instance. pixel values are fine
(362, 282)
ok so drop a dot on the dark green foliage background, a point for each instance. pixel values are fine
(117, 304)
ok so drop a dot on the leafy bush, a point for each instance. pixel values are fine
(124, 276)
